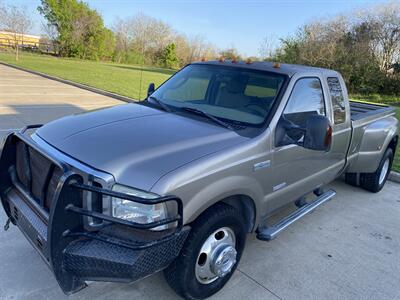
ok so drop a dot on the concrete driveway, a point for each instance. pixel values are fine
(30, 99)
(347, 249)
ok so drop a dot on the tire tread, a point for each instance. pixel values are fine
(175, 273)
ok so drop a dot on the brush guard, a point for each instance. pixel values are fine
(119, 250)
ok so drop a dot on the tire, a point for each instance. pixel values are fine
(183, 275)
(351, 179)
(373, 182)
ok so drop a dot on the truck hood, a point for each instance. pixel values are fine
(135, 143)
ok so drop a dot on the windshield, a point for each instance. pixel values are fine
(233, 94)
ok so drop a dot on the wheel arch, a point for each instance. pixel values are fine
(393, 143)
(245, 204)
(376, 139)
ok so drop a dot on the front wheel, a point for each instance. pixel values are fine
(374, 182)
(210, 254)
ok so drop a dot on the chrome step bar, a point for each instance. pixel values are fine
(269, 233)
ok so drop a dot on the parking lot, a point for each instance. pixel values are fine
(349, 248)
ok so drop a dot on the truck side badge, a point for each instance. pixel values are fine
(262, 165)
(279, 186)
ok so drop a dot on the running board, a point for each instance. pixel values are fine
(269, 233)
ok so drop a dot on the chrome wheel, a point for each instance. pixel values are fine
(384, 171)
(217, 256)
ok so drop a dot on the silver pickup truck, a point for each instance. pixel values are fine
(177, 181)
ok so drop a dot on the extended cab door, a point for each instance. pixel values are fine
(296, 170)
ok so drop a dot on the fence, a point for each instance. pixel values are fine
(28, 45)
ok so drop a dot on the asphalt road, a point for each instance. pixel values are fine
(349, 248)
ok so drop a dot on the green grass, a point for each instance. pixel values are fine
(125, 79)
(377, 98)
(117, 78)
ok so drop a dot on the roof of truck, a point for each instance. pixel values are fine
(286, 69)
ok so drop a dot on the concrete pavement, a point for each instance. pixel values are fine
(349, 248)
(26, 99)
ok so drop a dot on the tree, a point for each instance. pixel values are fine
(193, 48)
(142, 37)
(50, 37)
(268, 47)
(385, 21)
(230, 53)
(81, 31)
(362, 46)
(168, 57)
(17, 21)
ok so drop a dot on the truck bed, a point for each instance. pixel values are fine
(360, 110)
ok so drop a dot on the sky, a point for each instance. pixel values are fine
(240, 24)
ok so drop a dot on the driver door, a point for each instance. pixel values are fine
(297, 170)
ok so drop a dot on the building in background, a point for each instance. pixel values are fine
(9, 39)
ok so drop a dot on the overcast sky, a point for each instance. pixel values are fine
(241, 24)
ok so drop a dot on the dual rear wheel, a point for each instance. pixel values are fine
(375, 181)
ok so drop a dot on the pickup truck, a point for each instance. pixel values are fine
(177, 181)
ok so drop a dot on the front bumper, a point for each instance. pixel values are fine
(116, 251)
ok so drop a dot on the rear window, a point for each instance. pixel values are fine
(337, 98)
(258, 86)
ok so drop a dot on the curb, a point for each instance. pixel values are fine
(75, 84)
(394, 176)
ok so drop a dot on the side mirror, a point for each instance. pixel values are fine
(150, 89)
(318, 133)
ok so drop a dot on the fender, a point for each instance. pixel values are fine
(375, 140)
(222, 189)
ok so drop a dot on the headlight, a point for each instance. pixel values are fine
(137, 212)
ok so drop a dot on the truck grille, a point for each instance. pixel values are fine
(37, 174)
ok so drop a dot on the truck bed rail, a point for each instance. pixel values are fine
(360, 110)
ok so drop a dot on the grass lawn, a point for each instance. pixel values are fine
(125, 79)
(117, 78)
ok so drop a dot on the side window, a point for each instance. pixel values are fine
(305, 100)
(337, 98)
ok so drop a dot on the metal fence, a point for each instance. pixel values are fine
(40, 47)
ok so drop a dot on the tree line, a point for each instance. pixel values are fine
(76, 30)
(364, 46)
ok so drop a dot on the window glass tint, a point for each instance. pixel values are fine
(189, 89)
(306, 99)
(235, 94)
(337, 98)
(258, 86)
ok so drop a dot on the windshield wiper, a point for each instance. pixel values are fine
(207, 115)
(160, 103)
